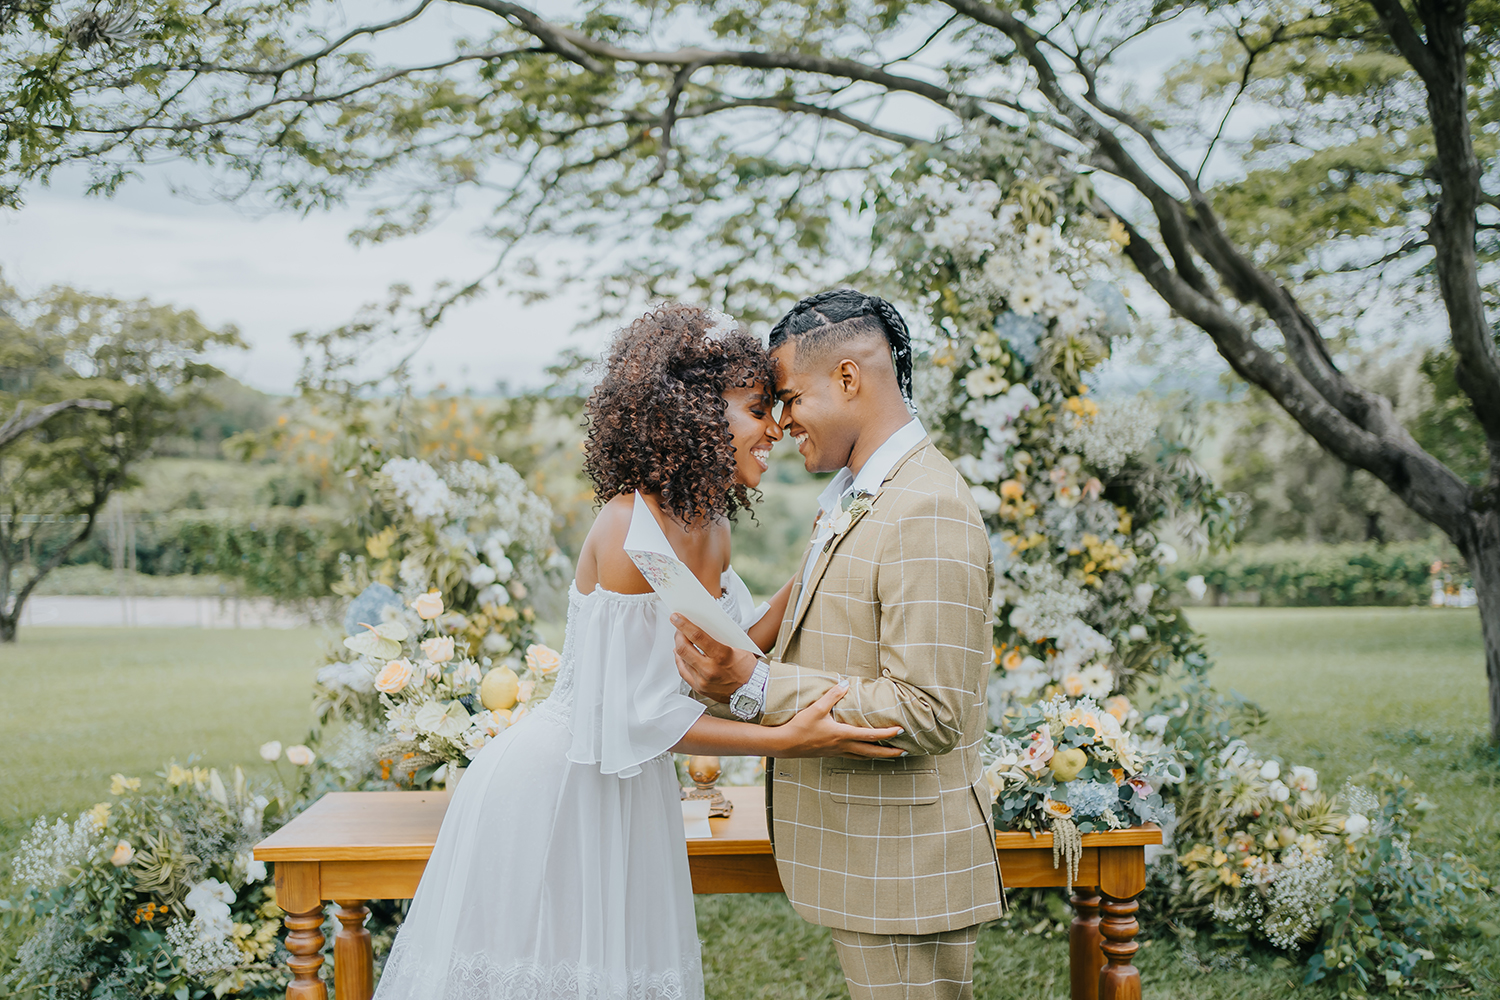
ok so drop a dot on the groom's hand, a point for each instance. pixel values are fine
(711, 668)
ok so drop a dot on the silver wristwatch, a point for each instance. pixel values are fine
(749, 699)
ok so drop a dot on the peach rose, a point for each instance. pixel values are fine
(300, 755)
(395, 676)
(124, 854)
(542, 659)
(1012, 489)
(428, 606)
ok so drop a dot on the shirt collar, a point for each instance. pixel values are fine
(876, 468)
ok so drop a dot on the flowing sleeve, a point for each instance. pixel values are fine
(628, 700)
(746, 611)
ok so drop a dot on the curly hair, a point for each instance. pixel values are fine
(658, 420)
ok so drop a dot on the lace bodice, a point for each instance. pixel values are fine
(617, 688)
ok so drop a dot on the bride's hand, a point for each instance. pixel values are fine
(813, 732)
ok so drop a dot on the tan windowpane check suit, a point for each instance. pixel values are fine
(881, 850)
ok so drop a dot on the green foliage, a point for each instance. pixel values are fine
(1355, 573)
(1447, 427)
(145, 361)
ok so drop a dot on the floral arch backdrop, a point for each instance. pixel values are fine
(1102, 711)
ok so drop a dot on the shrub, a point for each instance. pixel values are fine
(1289, 575)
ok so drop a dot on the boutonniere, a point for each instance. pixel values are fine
(851, 509)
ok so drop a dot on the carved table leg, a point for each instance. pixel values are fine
(1119, 980)
(353, 959)
(305, 942)
(1085, 958)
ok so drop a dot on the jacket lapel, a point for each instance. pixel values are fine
(799, 608)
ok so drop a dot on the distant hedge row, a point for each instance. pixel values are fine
(1289, 575)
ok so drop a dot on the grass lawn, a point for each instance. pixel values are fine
(1345, 688)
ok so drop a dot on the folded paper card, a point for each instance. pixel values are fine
(681, 591)
(695, 818)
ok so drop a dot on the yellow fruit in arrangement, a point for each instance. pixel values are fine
(1066, 764)
(499, 688)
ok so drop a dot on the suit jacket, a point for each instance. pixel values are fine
(900, 604)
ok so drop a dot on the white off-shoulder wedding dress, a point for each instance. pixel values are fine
(561, 872)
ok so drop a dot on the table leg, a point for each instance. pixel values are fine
(1119, 980)
(305, 942)
(353, 958)
(1085, 958)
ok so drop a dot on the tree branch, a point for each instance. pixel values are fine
(18, 425)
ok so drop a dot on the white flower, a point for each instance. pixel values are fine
(270, 752)
(496, 644)
(467, 673)
(978, 470)
(1196, 587)
(428, 606)
(1138, 633)
(987, 499)
(494, 594)
(1278, 791)
(985, 381)
(419, 487)
(438, 649)
(1270, 770)
(1156, 724)
(1097, 681)
(1164, 554)
(503, 568)
(300, 755)
(1356, 825)
(123, 854)
(413, 572)
(481, 575)
(1143, 593)
(1304, 779)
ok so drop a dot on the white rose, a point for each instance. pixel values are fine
(494, 594)
(255, 871)
(438, 649)
(1156, 724)
(1196, 588)
(481, 575)
(1279, 792)
(1304, 779)
(1270, 770)
(428, 606)
(1143, 592)
(1356, 826)
(1138, 633)
(503, 568)
(1164, 554)
(270, 752)
(300, 755)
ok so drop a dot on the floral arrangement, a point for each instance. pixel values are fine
(441, 707)
(1072, 767)
(431, 671)
(1078, 494)
(154, 892)
(1265, 853)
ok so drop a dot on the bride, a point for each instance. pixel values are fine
(561, 868)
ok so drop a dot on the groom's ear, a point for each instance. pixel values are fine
(848, 377)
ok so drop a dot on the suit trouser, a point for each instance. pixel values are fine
(908, 966)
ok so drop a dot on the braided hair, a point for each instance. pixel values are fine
(829, 318)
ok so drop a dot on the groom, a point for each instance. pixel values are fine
(896, 856)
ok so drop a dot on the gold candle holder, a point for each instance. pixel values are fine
(705, 771)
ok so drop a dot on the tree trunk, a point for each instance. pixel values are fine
(1483, 555)
(8, 625)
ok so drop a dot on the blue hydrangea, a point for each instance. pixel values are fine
(370, 607)
(1090, 798)
(1021, 333)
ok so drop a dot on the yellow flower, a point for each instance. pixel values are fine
(177, 775)
(379, 545)
(100, 814)
(1086, 408)
(1012, 660)
(1054, 808)
(119, 784)
(1117, 233)
(1012, 489)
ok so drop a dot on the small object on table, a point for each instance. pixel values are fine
(705, 770)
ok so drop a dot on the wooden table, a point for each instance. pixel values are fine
(351, 847)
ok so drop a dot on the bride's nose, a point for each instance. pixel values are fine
(773, 430)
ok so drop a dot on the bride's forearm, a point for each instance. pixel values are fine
(763, 633)
(710, 735)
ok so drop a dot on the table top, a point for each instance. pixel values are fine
(402, 826)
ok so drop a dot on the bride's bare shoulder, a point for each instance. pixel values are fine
(603, 562)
